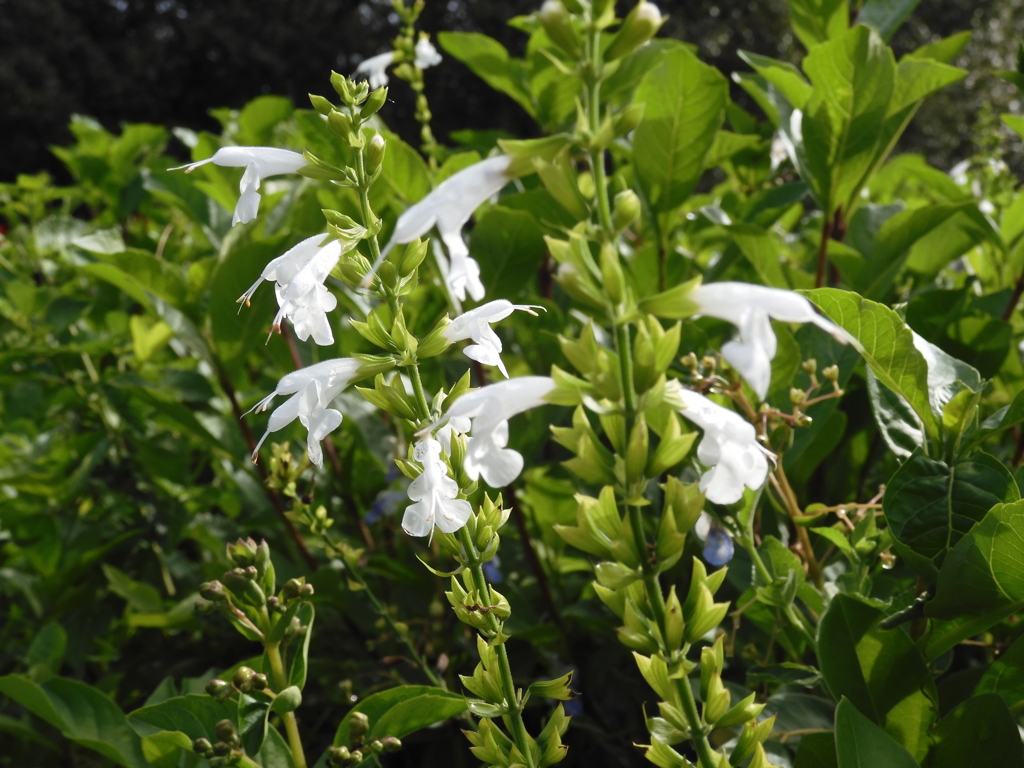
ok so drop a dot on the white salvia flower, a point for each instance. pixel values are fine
(259, 163)
(426, 54)
(750, 308)
(375, 69)
(435, 495)
(489, 409)
(449, 207)
(476, 325)
(312, 389)
(300, 273)
(729, 446)
(958, 173)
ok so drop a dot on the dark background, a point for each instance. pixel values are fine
(170, 61)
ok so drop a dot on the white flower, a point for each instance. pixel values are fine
(426, 54)
(489, 409)
(375, 69)
(449, 207)
(729, 446)
(259, 163)
(435, 495)
(476, 325)
(750, 308)
(958, 173)
(300, 273)
(312, 389)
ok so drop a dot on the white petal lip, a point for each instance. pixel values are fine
(426, 54)
(375, 69)
(434, 494)
(475, 325)
(729, 446)
(751, 308)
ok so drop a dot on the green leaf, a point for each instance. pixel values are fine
(931, 505)
(854, 76)
(881, 671)
(196, 715)
(253, 711)
(298, 653)
(509, 245)
(400, 711)
(817, 750)
(140, 596)
(979, 733)
(984, 573)
(165, 749)
(47, 649)
(1006, 417)
(862, 744)
(886, 16)
(685, 106)
(786, 673)
(491, 63)
(786, 78)
(818, 21)
(81, 713)
(404, 171)
(888, 347)
(1006, 676)
(258, 118)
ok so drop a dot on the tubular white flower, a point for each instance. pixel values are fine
(300, 273)
(312, 389)
(259, 163)
(489, 409)
(449, 207)
(426, 54)
(375, 69)
(435, 495)
(729, 446)
(476, 325)
(750, 308)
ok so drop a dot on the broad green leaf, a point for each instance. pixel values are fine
(258, 118)
(1006, 676)
(46, 653)
(1006, 417)
(194, 714)
(81, 713)
(854, 77)
(979, 733)
(253, 711)
(404, 171)
(509, 245)
(817, 750)
(818, 21)
(786, 78)
(166, 749)
(900, 427)
(685, 106)
(402, 710)
(887, 345)
(918, 78)
(984, 572)
(886, 16)
(148, 337)
(862, 744)
(490, 62)
(931, 505)
(880, 671)
(140, 596)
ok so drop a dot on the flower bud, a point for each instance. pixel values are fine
(221, 750)
(831, 373)
(287, 700)
(810, 366)
(202, 747)
(273, 604)
(339, 754)
(558, 24)
(224, 730)
(376, 747)
(320, 104)
(628, 119)
(340, 123)
(306, 591)
(640, 25)
(340, 83)
(358, 725)
(219, 689)
(797, 396)
(242, 679)
(374, 103)
(356, 757)
(213, 591)
(627, 209)
(259, 682)
(391, 744)
(375, 153)
(242, 553)
(611, 273)
(292, 588)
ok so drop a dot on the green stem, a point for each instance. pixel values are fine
(706, 757)
(654, 594)
(625, 352)
(765, 576)
(364, 203)
(508, 689)
(421, 397)
(291, 726)
(594, 115)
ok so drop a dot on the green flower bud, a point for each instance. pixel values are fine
(287, 700)
(558, 24)
(242, 553)
(213, 591)
(341, 84)
(358, 725)
(221, 749)
(391, 744)
(306, 591)
(340, 123)
(259, 682)
(202, 747)
(810, 365)
(242, 679)
(797, 396)
(224, 730)
(831, 373)
(717, 702)
(640, 25)
(292, 588)
(273, 604)
(611, 273)
(320, 104)
(356, 757)
(627, 209)
(376, 747)
(374, 103)
(375, 153)
(339, 754)
(219, 689)
(628, 119)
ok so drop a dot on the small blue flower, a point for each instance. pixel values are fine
(387, 503)
(492, 570)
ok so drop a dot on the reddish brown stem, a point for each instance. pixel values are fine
(826, 235)
(1018, 289)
